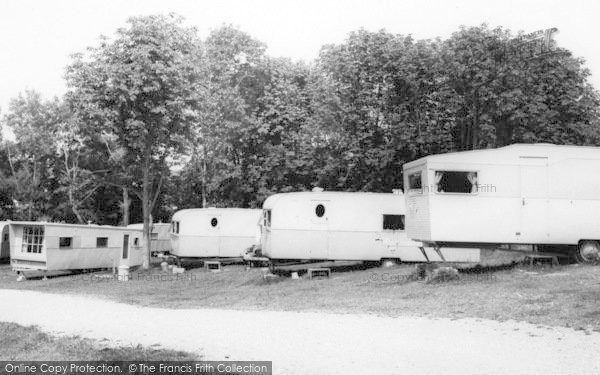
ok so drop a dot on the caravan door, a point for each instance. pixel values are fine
(5, 246)
(534, 199)
(125, 254)
(319, 233)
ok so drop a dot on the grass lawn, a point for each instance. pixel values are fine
(20, 343)
(560, 296)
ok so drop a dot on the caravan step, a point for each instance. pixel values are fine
(214, 266)
(552, 258)
(318, 272)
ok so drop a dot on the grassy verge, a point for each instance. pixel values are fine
(20, 343)
(560, 296)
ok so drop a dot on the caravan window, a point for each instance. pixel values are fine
(393, 222)
(320, 210)
(136, 241)
(101, 241)
(64, 242)
(175, 227)
(267, 218)
(214, 222)
(414, 182)
(33, 237)
(456, 182)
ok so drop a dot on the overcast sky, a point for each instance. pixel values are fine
(37, 37)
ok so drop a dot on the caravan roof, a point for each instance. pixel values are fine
(69, 225)
(190, 213)
(339, 196)
(510, 154)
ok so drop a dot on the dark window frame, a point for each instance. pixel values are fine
(456, 182)
(394, 222)
(414, 187)
(65, 242)
(101, 242)
(267, 218)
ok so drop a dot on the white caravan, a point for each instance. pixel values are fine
(535, 194)
(45, 246)
(160, 236)
(4, 241)
(344, 226)
(213, 232)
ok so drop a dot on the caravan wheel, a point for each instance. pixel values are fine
(588, 252)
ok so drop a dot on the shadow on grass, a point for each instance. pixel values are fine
(302, 270)
(29, 343)
(481, 269)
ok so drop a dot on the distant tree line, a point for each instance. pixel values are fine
(156, 119)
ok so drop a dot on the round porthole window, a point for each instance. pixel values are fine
(214, 222)
(320, 210)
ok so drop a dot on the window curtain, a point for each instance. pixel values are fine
(472, 177)
(437, 179)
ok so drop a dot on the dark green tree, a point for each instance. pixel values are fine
(143, 87)
(32, 157)
(506, 89)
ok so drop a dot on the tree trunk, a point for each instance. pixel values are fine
(203, 178)
(74, 206)
(474, 141)
(125, 207)
(79, 217)
(146, 209)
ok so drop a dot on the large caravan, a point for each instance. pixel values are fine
(213, 232)
(45, 246)
(344, 226)
(521, 194)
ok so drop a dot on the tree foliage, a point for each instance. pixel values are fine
(156, 120)
(142, 88)
(31, 159)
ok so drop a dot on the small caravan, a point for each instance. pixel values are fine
(4, 241)
(534, 194)
(213, 232)
(344, 226)
(160, 236)
(41, 246)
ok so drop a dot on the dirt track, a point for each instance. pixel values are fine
(300, 343)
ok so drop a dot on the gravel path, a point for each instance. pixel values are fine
(318, 343)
